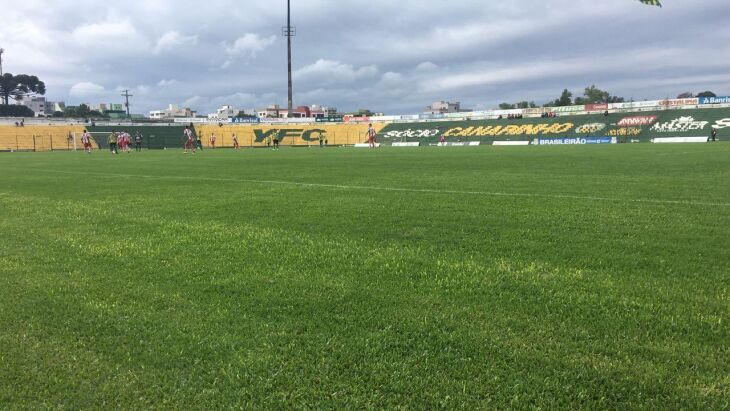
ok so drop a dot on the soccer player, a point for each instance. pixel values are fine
(276, 142)
(112, 140)
(321, 139)
(371, 136)
(189, 143)
(268, 141)
(125, 140)
(212, 141)
(86, 139)
(138, 141)
(713, 135)
(442, 140)
(235, 142)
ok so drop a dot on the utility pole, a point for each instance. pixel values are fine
(127, 96)
(289, 32)
(1, 61)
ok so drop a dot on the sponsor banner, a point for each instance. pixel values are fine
(633, 104)
(409, 117)
(460, 144)
(575, 141)
(625, 132)
(660, 140)
(720, 124)
(365, 145)
(534, 111)
(509, 130)
(511, 143)
(430, 116)
(505, 113)
(568, 109)
(715, 100)
(244, 120)
(411, 133)
(590, 128)
(597, 107)
(680, 125)
(331, 119)
(382, 119)
(679, 102)
(412, 144)
(637, 121)
(197, 120)
(353, 119)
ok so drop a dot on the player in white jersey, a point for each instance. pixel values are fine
(189, 142)
(371, 136)
(86, 139)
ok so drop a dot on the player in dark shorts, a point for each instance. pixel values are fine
(138, 141)
(713, 135)
(276, 142)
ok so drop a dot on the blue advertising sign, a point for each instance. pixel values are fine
(581, 140)
(246, 120)
(715, 100)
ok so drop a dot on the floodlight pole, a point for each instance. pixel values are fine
(289, 32)
(1, 61)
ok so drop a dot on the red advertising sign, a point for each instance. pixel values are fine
(597, 107)
(679, 102)
(637, 121)
(352, 119)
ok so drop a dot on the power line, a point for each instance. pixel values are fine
(127, 96)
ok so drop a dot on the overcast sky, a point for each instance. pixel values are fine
(391, 56)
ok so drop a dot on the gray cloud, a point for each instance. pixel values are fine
(388, 56)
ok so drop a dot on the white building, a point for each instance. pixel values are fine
(441, 107)
(172, 112)
(224, 113)
(41, 107)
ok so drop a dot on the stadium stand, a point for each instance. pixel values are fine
(38, 137)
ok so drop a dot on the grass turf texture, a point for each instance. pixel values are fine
(194, 286)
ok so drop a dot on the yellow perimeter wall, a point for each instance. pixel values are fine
(254, 135)
(45, 138)
(38, 138)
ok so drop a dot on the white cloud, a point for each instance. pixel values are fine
(168, 83)
(120, 34)
(330, 71)
(172, 40)
(86, 89)
(426, 67)
(249, 44)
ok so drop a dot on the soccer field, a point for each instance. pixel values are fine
(523, 277)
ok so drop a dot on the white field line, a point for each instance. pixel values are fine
(398, 190)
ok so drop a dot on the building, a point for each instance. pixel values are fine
(42, 107)
(109, 107)
(441, 107)
(224, 113)
(172, 112)
(314, 111)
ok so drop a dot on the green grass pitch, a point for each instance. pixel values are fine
(472, 278)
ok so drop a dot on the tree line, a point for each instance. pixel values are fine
(591, 95)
